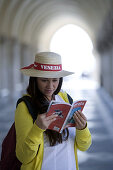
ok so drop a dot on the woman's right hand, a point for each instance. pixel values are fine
(43, 121)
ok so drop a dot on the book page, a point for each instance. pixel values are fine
(61, 109)
(77, 105)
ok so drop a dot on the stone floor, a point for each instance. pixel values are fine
(99, 112)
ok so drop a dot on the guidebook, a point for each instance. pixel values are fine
(65, 112)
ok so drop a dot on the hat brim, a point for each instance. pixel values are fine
(46, 74)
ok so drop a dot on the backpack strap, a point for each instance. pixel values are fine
(27, 100)
(70, 98)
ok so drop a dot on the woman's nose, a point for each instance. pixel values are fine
(50, 84)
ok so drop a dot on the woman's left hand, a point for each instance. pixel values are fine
(80, 120)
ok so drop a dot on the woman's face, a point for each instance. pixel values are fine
(47, 86)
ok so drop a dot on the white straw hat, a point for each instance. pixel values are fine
(47, 64)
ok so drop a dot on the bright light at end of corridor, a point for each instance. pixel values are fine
(75, 47)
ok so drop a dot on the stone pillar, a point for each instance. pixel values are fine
(13, 58)
(97, 71)
(16, 64)
(27, 58)
(10, 77)
(4, 69)
(112, 72)
(106, 71)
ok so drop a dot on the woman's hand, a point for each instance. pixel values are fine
(43, 121)
(80, 120)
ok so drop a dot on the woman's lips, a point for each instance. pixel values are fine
(49, 91)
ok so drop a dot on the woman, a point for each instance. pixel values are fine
(37, 147)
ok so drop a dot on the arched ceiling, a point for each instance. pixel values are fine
(35, 21)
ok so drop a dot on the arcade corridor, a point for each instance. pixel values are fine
(27, 27)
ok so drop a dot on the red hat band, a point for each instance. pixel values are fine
(45, 67)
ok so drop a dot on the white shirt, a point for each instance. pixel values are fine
(60, 156)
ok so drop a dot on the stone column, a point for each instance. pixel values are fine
(4, 69)
(9, 66)
(13, 65)
(27, 58)
(106, 71)
(112, 72)
(16, 64)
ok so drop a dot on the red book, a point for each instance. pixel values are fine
(65, 113)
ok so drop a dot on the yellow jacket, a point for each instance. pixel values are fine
(30, 141)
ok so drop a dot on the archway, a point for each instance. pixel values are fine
(75, 47)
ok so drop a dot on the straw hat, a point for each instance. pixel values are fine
(47, 64)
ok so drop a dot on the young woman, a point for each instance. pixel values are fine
(37, 147)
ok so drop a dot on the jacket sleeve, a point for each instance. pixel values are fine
(83, 139)
(28, 135)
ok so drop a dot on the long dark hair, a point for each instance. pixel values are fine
(41, 104)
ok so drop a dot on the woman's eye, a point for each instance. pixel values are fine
(44, 80)
(55, 80)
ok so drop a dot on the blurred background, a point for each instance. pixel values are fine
(81, 31)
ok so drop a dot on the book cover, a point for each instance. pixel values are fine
(65, 113)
